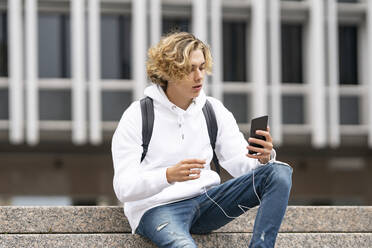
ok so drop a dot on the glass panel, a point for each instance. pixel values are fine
(4, 104)
(55, 104)
(237, 104)
(234, 51)
(54, 45)
(116, 46)
(348, 54)
(349, 110)
(114, 104)
(291, 40)
(293, 109)
(41, 201)
(348, 1)
(84, 202)
(175, 24)
(3, 45)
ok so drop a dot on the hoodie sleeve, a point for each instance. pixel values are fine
(231, 146)
(131, 182)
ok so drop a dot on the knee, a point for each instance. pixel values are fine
(182, 240)
(185, 243)
(281, 175)
(175, 237)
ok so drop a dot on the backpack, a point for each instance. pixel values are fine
(147, 111)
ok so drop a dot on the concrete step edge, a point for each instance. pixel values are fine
(360, 240)
(112, 220)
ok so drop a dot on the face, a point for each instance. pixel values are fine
(189, 87)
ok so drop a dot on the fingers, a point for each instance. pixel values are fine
(266, 144)
(266, 134)
(193, 161)
(188, 169)
(256, 156)
(187, 178)
(191, 166)
(190, 172)
(260, 151)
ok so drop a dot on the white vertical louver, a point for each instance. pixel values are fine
(199, 19)
(199, 27)
(333, 72)
(156, 20)
(275, 66)
(139, 43)
(369, 65)
(216, 43)
(15, 64)
(79, 130)
(316, 75)
(95, 116)
(258, 58)
(32, 96)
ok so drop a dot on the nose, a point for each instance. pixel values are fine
(198, 74)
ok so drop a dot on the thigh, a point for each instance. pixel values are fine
(169, 225)
(225, 202)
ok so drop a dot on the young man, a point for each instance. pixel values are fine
(173, 192)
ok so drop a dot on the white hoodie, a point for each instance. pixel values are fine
(177, 135)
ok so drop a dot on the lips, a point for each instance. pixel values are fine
(197, 86)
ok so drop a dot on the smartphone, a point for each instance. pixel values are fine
(259, 123)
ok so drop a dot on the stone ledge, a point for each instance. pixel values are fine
(111, 220)
(223, 240)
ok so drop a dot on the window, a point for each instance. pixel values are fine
(4, 107)
(116, 46)
(237, 104)
(234, 51)
(349, 114)
(55, 104)
(348, 1)
(291, 43)
(54, 45)
(175, 24)
(114, 103)
(3, 45)
(293, 109)
(348, 58)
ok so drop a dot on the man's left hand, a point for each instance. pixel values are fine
(263, 154)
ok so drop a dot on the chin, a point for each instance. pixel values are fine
(195, 95)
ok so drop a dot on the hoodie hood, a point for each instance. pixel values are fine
(157, 93)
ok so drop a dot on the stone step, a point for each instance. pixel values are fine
(95, 219)
(216, 240)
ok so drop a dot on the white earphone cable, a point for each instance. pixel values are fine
(242, 207)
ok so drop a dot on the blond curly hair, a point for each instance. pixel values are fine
(170, 58)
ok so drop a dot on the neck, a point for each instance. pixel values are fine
(179, 100)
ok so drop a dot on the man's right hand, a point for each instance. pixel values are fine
(188, 169)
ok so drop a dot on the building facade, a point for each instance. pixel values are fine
(69, 68)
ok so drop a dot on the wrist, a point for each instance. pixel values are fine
(167, 176)
(264, 160)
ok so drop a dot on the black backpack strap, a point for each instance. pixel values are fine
(147, 111)
(210, 118)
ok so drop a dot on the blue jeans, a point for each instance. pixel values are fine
(170, 225)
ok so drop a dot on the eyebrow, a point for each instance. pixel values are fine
(199, 65)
